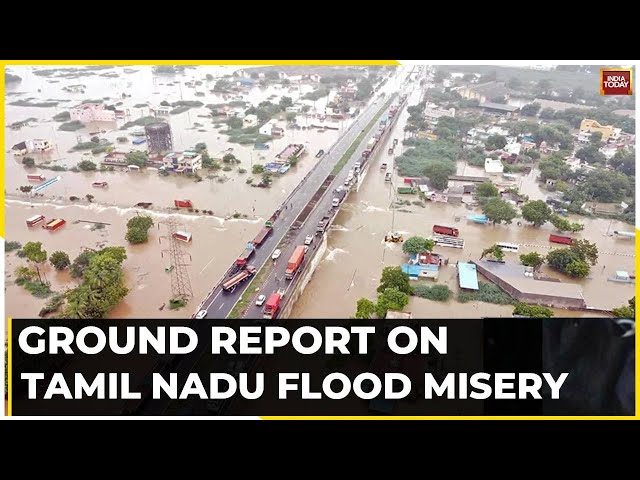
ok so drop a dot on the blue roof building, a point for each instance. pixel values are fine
(467, 276)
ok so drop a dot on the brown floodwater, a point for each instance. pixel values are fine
(356, 252)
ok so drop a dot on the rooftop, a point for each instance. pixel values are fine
(468, 276)
(393, 315)
(514, 275)
(499, 106)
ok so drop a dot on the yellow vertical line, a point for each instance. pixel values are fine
(9, 367)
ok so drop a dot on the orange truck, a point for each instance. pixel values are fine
(294, 262)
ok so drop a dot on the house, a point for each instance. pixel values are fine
(41, 145)
(493, 166)
(497, 130)
(417, 271)
(282, 76)
(513, 148)
(250, 121)
(394, 315)
(485, 92)
(314, 77)
(546, 148)
(604, 208)
(294, 78)
(608, 131)
(432, 113)
(349, 91)
(454, 194)
(467, 276)
(115, 158)
(19, 148)
(584, 137)
(92, 112)
(246, 82)
(182, 162)
(242, 73)
(160, 110)
(609, 151)
(267, 127)
(294, 109)
(277, 131)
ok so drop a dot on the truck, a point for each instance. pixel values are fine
(55, 224)
(273, 305)
(294, 262)
(560, 239)
(183, 203)
(264, 233)
(245, 274)
(245, 255)
(452, 232)
(369, 148)
(322, 225)
(36, 178)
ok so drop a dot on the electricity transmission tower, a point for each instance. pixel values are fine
(180, 282)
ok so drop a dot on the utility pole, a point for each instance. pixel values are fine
(180, 282)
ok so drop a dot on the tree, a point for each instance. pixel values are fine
(514, 83)
(234, 123)
(495, 142)
(547, 113)
(554, 167)
(365, 308)
(164, 103)
(365, 89)
(624, 161)
(28, 162)
(533, 259)
(495, 251)
(291, 116)
(272, 75)
(391, 299)
(591, 155)
(530, 110)
(565, 225)
(438, 173)
(230, 158)
(209, 77)
(578, 268)
(138, 229)
(585, 250)
(544, 86)
(440, 76)
(257, 169)
(535, 311)
(626, 311)
(87, 165)
(81, 263)
(200, 147)
(394, 277)
(486, 190)
(536, 212)
(595, 139)
(498, 211)
(59, 260)
(285, 102)
(138, 158)
(468, 77)
(415, 245)
(606, 186)
(266, 179)
(34, 253)
(559, 258)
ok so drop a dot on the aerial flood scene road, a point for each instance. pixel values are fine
(317, 192)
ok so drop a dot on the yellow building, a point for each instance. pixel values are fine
(608, 131)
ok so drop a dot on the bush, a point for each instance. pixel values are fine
(138, 229)
(439, 293)
(177, 303)
(71, 126)
(226, 168)
(87, 165)
(249, 180)
(28, 162)
(257, 169)
(487, 292)
(242, 170)
(11, 246)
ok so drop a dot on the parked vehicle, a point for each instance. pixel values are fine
(273, 305)
(183, 203)
(322, 225)
(294, 262)
(245, 274)
(99, 184)
(320, 153)
(183, 236)
(308, 240)
(335, 203)
(54, 224)
(36, 178)
(383, 166)
(245, 255)
(387, 177)
(509, 247)
(560, 239)
(453, 232)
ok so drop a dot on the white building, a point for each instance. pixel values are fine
(40, 145)
(182, 162)
(493, 166)
(161, 110)
(267, 127)
(250, 121)
(432, 112)
(513, 148)
(609, 151)
(92, 112)
(495, 130)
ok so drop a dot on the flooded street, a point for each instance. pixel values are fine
(356, 252)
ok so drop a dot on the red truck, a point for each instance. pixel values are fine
(245, 255)
(264, 233)
(273, 304)
(294, 262)
(55, 224)
(183, 203)
(247, 273)
(36, 178)
(452, 232)
(560, 239)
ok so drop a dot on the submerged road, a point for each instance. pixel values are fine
(219, 303)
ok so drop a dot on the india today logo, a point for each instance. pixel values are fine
(616, 81)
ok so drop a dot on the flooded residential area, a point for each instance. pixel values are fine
(444, 176)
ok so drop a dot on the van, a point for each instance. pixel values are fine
(335, 203)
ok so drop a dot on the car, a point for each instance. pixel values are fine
(201, 314)
(306, 249)
(308, 240)
(276, 254)
(260, 300)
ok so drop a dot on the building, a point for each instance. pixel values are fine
(455, 194)
(159, 137)
(115, 159)
(314, 77)
(513, 148)
(467, 276)
(19, 148)
(161, 110)
(499, 108)
(485, 92)
(40, 145)
(182, 162)
(608, 131)
(267, 127)
(394, 315)
(415, 271)
(493, 166)
(512, 278)
(558, 106)
(92, 112)
(250, 121)
(432, 113)
(291, 151)
(609, 151)
(349, 91)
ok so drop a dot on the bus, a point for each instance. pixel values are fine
(509, 247)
